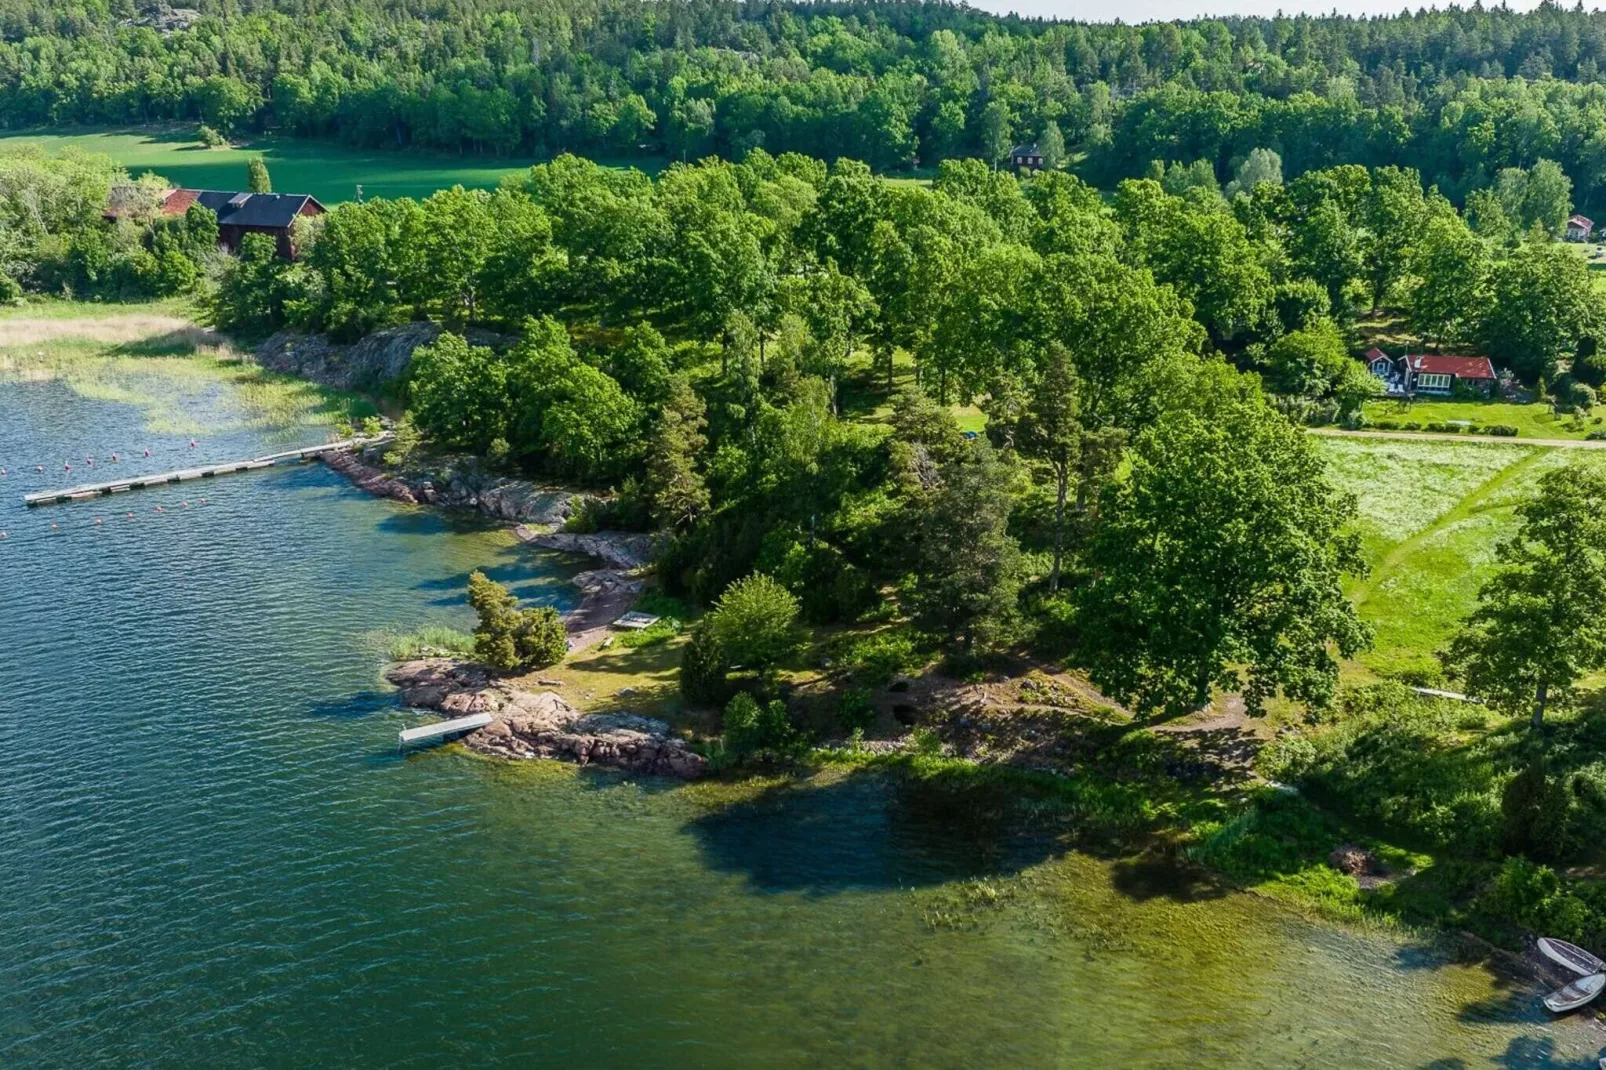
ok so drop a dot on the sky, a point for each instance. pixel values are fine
(1149, 10)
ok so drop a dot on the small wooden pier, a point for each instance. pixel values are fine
(442, 730)
(184, 475)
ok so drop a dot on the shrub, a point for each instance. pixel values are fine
(751, 728)
(1502, 430)
(754, 622)
(1534, 896)
(829, 587)
(1572, 395)
(1534, 810)
(510, 639)
(856, 712)
(1411, 425)
(704, 669)
(210, 137)
(1386, 425)
(1435, 425)
(1392, 758)
(876, 659)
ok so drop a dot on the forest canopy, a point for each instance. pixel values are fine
(1458, 94)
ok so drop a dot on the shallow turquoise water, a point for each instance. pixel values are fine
(210, 854)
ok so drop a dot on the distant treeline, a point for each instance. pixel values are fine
(1456, 94)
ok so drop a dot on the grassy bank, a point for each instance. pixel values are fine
(154, 357)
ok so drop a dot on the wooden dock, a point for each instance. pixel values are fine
(441, 730)
(184, 475)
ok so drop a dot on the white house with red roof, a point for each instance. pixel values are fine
(1432, 374)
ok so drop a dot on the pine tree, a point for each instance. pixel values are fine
(675, 490)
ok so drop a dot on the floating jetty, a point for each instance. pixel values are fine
(442, 730)
(184, 475)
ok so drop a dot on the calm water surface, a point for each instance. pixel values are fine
(210, 854)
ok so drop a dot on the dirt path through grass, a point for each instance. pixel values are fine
(1468, 505)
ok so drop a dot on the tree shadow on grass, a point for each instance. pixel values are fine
(863, 831)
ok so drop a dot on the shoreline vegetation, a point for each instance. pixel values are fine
(1186, 798)
(903, 451)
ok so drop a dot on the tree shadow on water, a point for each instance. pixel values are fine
(1540, 1051)
(1157, 876)
(864, 831)
(351, 707)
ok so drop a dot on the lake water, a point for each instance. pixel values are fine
(211, 854)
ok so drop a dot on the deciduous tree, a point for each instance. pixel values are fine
(1540, 623)
(1218, 560)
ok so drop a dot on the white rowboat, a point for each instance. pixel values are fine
(1571, 956)
(1576, 994)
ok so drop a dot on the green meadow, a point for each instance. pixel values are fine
(328, 171)
(1432, 513)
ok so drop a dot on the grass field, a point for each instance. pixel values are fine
(1534, 420)
(328, 171)
(1432, 514)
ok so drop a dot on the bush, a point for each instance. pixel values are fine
(210, 137)
(1411, 425)
(510, 639)
(1573, 396)
(1535, 897)
(830, 588)
(1392, 758)
(751, 728)
(1502, 430)
(856, 712)
(1534, 809)
(704, 669)
(754, 622)
(1386, 425)
(876, 659)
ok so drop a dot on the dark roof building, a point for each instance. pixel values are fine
(1027, 157)
(239, 214)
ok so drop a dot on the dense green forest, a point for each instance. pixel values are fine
(1457, 94)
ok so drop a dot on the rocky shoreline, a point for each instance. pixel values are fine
(543, 725)
(606, 593)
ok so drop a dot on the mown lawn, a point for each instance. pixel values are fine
(1534, 420)
(326, 170)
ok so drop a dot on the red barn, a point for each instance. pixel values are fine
(239, 214)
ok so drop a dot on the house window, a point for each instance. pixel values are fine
(1433, 381)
